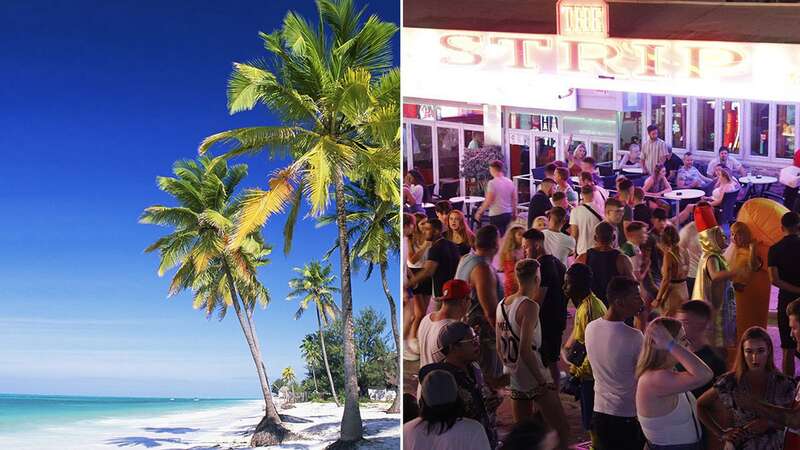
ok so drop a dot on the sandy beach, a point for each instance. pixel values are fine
(316, 424)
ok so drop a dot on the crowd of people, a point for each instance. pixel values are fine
(668, 347)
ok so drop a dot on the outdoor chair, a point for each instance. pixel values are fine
(448, 191)
(427, 193)
(725, 212)
(606, 169)
(609, 181)
(538, 173)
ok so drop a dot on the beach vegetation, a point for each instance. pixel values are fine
(314, 286)
(333, 85)
(374, 232)
(220, 276)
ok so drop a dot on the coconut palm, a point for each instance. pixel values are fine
(333, 87)
(219, 275)
(308, 349)
(289, 379)
(374, 231)
(315, 286)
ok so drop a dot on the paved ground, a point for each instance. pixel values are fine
(571, 407)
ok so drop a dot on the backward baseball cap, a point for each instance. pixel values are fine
(453, 333)
(455, 290)
(439, 388)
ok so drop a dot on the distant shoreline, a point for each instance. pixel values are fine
(212, 423)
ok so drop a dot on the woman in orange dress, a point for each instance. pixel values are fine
(751, 285)
(510, 253)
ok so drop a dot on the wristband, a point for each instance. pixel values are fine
(671, 345)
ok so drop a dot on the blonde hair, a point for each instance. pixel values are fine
(741, 228)
(509, 245)
(418, 238)
(652, 358)
(465, 233)
(753, 333)
(540, 223)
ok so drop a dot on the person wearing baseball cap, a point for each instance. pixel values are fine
(458, 344)
(442, 424)
(455, 301)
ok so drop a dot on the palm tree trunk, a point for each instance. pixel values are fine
(395, 408)
(352, 429)
(314, 376)
(270, 430)
(325, 357)
(252, 325)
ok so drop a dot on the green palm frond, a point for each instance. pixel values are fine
(258, 205)
(333, 87)
(203, 224)
(291, 218)
(251, 140)
(169, 216)
(188, 194)
(314, 285)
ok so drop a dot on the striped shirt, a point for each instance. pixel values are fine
(653, 153)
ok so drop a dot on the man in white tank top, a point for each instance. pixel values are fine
(455, 301)
(519, 336)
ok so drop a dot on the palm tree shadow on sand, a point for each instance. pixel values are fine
(179, 430)
(132, 441)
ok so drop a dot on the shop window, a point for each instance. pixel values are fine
(784, 131)
(536, 122)
(405, 153)
(414, 111)
(731, 131)
(658, 113)
(680, 114)
(705, 124)
(630, 127)
(447, 140)
(545, 150)
(422, 151)
(602, 151)
(443, 113)
(759, 129)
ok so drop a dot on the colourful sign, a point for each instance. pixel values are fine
(508, 64)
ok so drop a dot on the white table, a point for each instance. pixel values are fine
(575, 180)
(683, 194)
(468, 201)
(636, 170)
(762, 181)
(428, 205)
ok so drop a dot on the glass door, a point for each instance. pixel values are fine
(545, 149)
(602, 150)
(422, 152)
(448, 149)
(519, 150)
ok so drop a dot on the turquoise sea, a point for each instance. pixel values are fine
(22, 413)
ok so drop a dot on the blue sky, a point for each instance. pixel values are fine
(97, 98)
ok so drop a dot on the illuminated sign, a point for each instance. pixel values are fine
(503, 66)
(586, 18)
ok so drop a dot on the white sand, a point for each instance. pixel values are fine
(317, 424)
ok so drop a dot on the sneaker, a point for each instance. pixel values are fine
(411, 350)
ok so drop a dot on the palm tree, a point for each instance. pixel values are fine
(219, 275)
(288, 378)
(312, 356)
(315, 285)
(333, 86)
(374, 230)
